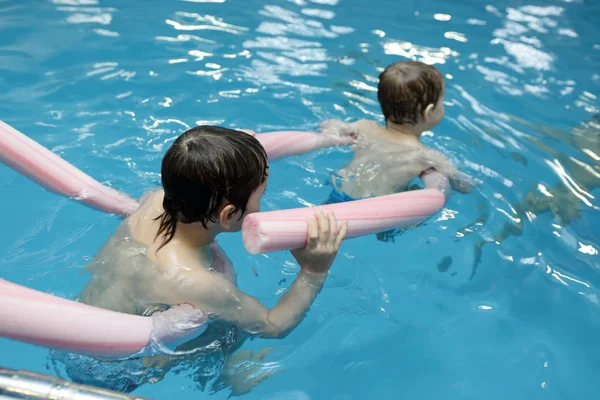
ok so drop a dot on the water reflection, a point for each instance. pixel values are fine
(80, 12)
(578, 176)
(427, 55)
(208, 22)
(317, 12)
(292, 23)
(281, 55)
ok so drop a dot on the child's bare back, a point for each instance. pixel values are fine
(386, 163)
(387, 158)
(129, 274)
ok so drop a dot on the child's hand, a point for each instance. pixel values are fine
(179, 323)
(324, 240)
(461, 182)
(434, 159)
(243, 371)
(338, 132)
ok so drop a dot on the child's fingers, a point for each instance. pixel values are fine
(346, 140)
(333, 227)
(312, 232)
(323, 226)
(341, 235)
(459, 184)
(262, 354)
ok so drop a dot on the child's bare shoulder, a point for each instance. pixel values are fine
(366, 126)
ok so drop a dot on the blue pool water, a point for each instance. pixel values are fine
(108, 84)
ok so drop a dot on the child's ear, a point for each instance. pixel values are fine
(427, 111)
(226, 216)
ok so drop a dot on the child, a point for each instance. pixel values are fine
(387, 158)
(165, 254)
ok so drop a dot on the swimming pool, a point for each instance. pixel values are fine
(108, 84)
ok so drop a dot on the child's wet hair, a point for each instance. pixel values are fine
(406, 88)
(204, 169)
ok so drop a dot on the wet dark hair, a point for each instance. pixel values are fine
(406, 88)
(205, 167)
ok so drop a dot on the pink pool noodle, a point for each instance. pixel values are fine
(286, 229)
(291, 143)
(45, 320)
(49, 170)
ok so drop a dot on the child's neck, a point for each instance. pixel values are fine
(196, 241)
(194, 235)
(404, 132)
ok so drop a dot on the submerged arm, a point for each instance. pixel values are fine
(222, 300)
(436, 160)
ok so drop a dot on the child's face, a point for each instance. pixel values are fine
(254, 200)
(233, 223)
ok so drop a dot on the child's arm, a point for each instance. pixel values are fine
(222, 300)
(336, 127)
(434, 159)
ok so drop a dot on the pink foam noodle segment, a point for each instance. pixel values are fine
(57, 175)
(42, 319)
(39, 164)
(270, 231)
(291, 143)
